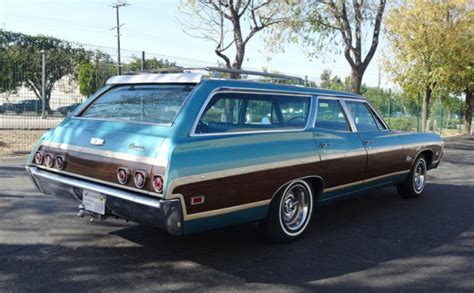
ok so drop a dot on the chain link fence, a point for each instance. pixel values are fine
(36, 93)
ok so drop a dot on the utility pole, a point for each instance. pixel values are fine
(117, 6)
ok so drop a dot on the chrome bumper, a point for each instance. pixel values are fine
(164, 214)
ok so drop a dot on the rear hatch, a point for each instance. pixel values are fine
(123, 128)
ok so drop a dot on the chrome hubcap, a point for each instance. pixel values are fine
(295, 207)
(419, 176)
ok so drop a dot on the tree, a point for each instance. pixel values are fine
(423, 37)
(149, 64)
(331, 82)
(225, 23)
(23, 53)
(325, 25)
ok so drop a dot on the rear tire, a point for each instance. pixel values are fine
(289, 213)
(415, 182)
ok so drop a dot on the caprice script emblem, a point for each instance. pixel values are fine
(96, 141)
(135, 147)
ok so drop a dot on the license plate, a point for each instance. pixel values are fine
(93, 202)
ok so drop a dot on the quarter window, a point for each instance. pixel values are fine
(235, 112)
(363, 117)
(331, 116)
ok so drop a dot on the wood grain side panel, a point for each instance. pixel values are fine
(242, 189)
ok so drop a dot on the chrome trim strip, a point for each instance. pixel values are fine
(98, 181)
(108, 154)
(151, 202)
(364, 181)
(247, 91)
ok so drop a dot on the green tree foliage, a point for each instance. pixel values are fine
(149, 64)
(93, 73)
(426, 39)
(21, 54)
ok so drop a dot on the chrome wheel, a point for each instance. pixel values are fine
(419, 176)
(295, 208)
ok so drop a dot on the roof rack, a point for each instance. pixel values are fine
(233, 73)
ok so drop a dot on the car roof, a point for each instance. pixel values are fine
(200, 78)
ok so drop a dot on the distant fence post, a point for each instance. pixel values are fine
(43, 84)
(142, 65)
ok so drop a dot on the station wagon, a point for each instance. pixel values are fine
(187, 152)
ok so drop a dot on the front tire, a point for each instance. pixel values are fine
(415, 182)
(289, 213)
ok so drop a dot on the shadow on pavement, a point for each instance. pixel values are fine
(344, 238)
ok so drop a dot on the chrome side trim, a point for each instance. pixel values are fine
(98, 181)
(109, 154)
(365, 181)
(247, 91)
(151, 202)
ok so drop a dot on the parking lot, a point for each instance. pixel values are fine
(373, 242)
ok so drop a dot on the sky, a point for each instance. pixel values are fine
(153, 26)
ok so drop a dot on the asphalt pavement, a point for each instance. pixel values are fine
(373, 242)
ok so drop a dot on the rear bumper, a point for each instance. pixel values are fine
(160, 213)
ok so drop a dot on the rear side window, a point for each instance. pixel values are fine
(140, 103)
(331, 116)
(363, 117)
(235, 112)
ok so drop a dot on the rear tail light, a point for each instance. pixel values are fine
(60, 162)
(123, 174)
(39, 158)
(48, 160)
(139, 178)
(158, 183)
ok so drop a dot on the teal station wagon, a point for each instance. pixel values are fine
(187, 152)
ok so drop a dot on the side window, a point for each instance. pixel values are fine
(331, 116)
(235, 112)
(294, 111)
(223, 111)
(363, 117)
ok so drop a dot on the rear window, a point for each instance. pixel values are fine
(140, 103)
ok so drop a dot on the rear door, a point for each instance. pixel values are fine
(343, 158)
(382, 145)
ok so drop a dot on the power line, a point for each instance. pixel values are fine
(117, 6)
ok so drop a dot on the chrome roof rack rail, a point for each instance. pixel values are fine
(237, 72)
(233, 73)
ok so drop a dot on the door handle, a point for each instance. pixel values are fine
(324, 145)
(368, 142)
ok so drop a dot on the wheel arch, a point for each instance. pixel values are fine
(314, 181)
(427, 154)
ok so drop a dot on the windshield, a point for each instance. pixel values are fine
(140, 103)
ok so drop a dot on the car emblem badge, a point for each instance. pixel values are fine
(409, 159)
(96, 141)
(135, 147)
